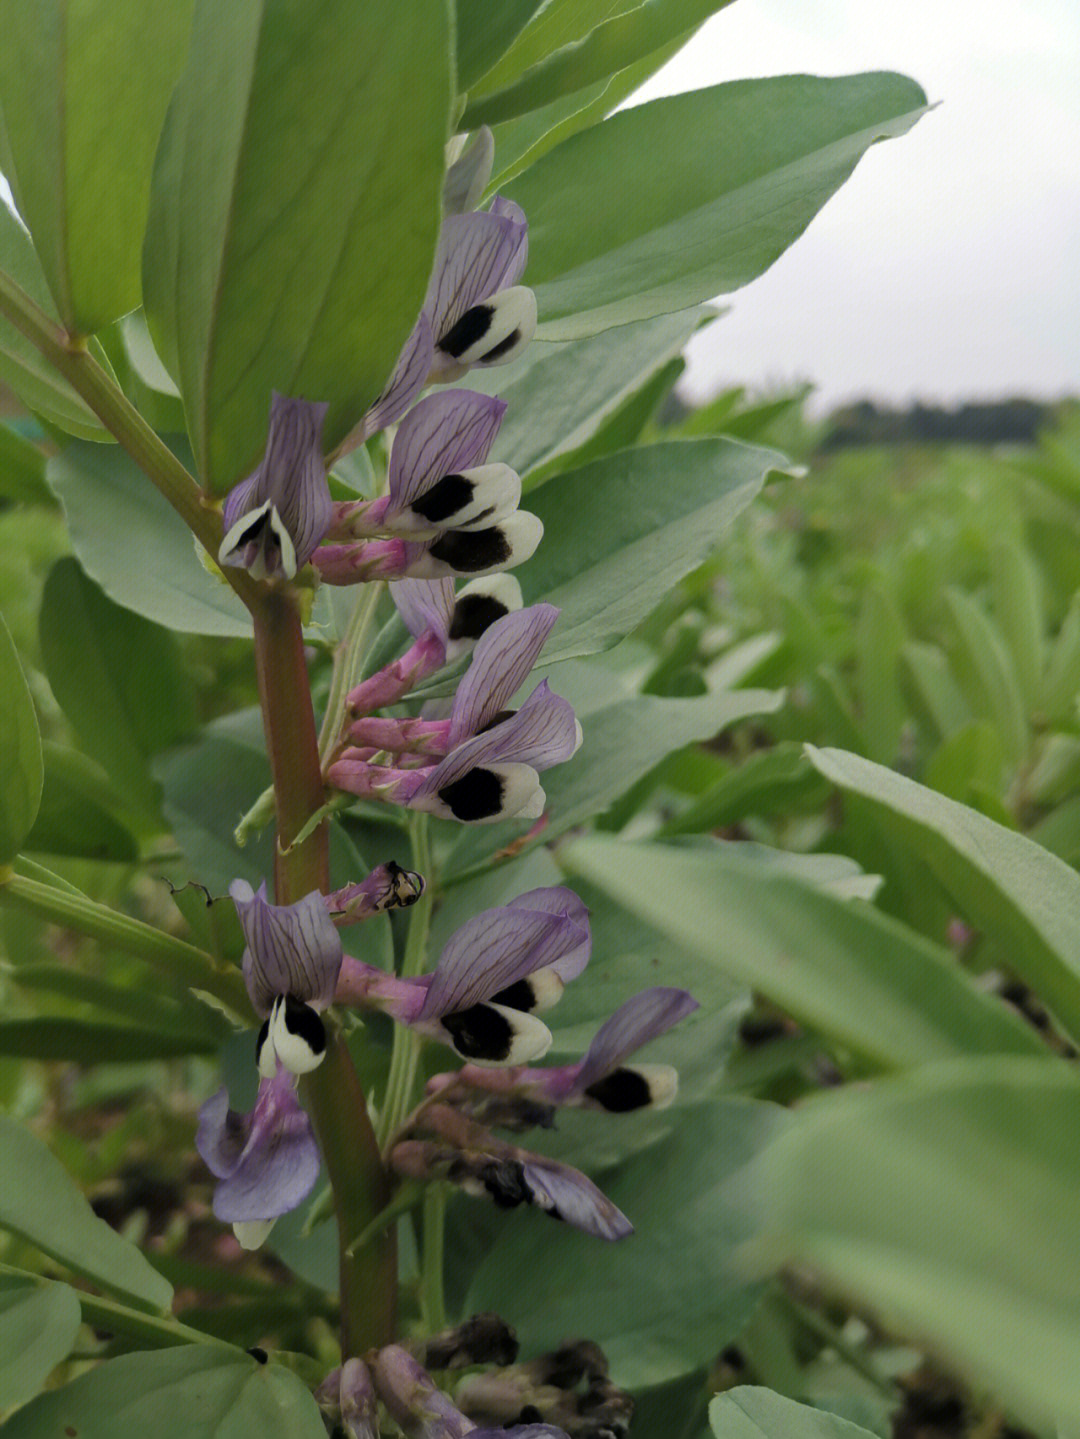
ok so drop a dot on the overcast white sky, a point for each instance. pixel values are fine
(948, 267)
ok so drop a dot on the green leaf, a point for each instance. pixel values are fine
(774, 781)
(38, 1325)
(625, 735)
(665, 1300)
(138, 549)
(294, 212)
(20, 752)
(76, 814)
(84, 88)
(879, 636)
(22, 365)
(992, 680)
(86, 1041)
(611, 47)
(127, 1001)
(22, 470)
(558, 23)
(948, 1200)
(484, 33)
(620, 532)
(117, 677)
(936, 695)
(857, 976)
(1005, 884)
(567, 391)
(1062, 681)
(1018, 606)
(40, 1204)
(673, 222)
(198, 1391)
(749, 1412)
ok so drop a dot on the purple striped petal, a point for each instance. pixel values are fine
(567, 1194)
(442, 435)
(407, 379)
(501, 663)
(492, 951)
(292, 479)
(649, 1014)
(557, 899)
(412, 1399)
(292, 949)
(543, 733)
(267, 1161)
(425, 605)
(478, 255)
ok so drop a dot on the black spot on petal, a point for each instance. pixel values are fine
(473, 614)
(470, 550)
(479, 1032)
(501, 348)
(472, 326)
(504, 1180)
(519, 996)
(621, 1091)
(263, 1036)
(302, 1020)
(475, 796)
(445, 498)
(259, 1355)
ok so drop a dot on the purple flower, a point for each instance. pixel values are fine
(479, 314)
(520, 1098)
(495, 972)
(466, 1154)
(291, 964)
(266, 1161)
(503, 660)
(424, 1412)
(407, 379)
(276, 517)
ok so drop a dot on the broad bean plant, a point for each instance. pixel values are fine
(337, 331)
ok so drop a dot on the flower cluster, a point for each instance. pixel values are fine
(448, 512)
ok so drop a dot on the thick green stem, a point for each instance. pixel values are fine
(86, 916)
(69, 357)
(332, 1093)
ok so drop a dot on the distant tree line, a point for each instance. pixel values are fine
(1003, 422)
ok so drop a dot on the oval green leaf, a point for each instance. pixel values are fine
(948, 1200)
(674, 212)
(200, 1391)
(39, 1203)
(1005, 884)
(294, 211)
(856, 976)
(38, 1324)
(20, 752)
(84, 88)
(749, 1413)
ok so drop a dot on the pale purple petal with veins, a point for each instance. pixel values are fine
(412, 1399)
(557, 899)
(645, 1017)
(543, 733)
(291, 948)
(478, 255)
(442, 435)
(425, 605)
(566, 1194)
(407, 379)
(492, 951)
(501, 663)
(291, 476)
(267, 1161)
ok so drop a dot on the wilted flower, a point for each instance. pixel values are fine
(468, 1155)
(290, 965)
(267, 1161)
(424, 1412)
(276, 517)
(387, 887)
